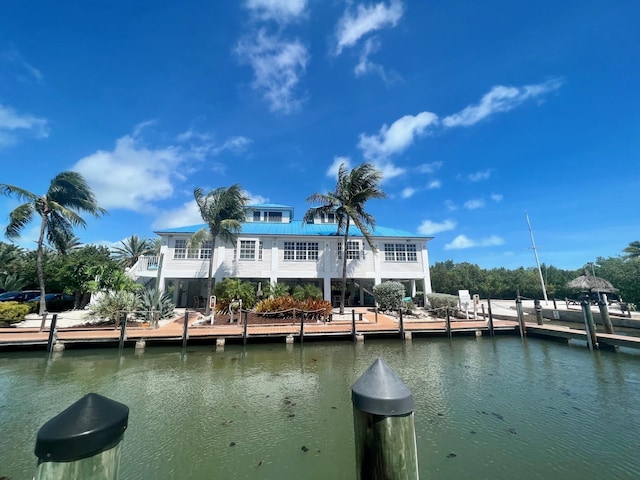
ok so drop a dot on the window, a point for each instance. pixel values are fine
(354, 252)
(273, 217)
(180, 250)
(247, 249)
(328, 218)
(256, 216)
(205, 249)
(400, 252)
(301, 251)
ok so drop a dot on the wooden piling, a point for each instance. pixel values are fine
(538, 308)
(84, 441)
(384, 429)
(244, 327)
(448, 324)
(590, 326)
(604, 315)
(491, 332)
(301, 329)
(185, 329)
(52, 333)
(401, 325)
(123, 331)
(523, 328)
(354, 333)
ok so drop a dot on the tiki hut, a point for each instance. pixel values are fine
(590, 286)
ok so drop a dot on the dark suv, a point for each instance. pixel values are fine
(23, 296)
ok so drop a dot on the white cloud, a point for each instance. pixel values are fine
(429, 167)
(256, 199)
(132, 176)
(351, 28)
(332, 171)
(462, 241)
(278, 65)
(499, 99)
(450, 205)
(408, 192)
(389, 170)
(396, 138)
(281, 11)
(479, 176)
(187, 214)
(474, 204)
(434, 184)
(497, 197)
(427, 227)
(12, 123)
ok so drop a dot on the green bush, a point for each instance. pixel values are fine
(230, 289)
(439, 302)
(153, 301)
(13, 312)
(283, 307)
(112, 305)
(389, 295)
(307, 291)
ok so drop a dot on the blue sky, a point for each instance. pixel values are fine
(476, 112)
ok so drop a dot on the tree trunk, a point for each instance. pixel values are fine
(207, 308)
(344, 268)
(40, 270)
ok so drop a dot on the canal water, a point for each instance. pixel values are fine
(485, 409)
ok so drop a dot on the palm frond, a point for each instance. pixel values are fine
(18, 218)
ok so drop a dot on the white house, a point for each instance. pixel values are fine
(273, 247)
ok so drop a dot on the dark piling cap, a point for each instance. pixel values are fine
(379, 391)
(91, 425)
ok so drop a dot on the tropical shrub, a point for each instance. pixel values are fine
(13, 312)
(112, 305)
(231, 289)
(283, 307)
(153, 301)
(389, 295)
(440, 302)
(307, 291)
(275, 289)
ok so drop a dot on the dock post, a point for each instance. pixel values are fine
(401, 325)
(523, 328)
(448, 324)
(244, 327)
(84, 441)
(354, 333)
(376, 312)
(301, 329)
(52, 332)
(123, 331)
(185, 330)
(491, 332)
(538, 309)
(383, 423)
(590, 327)
(604, 315)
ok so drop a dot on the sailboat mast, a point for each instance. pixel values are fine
(535, 253)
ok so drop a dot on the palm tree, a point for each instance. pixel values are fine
(223, 210)
(59, 208)
(68, 244)
(132, 248)
(347, 202)
(633, 250)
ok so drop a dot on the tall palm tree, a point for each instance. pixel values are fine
(132, 248)
(59, 208)
(66, 245)
(223, 210)
(347, 202)
(633, 250)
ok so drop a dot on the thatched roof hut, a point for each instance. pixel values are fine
(588, 283)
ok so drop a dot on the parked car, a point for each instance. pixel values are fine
(57, 302)
(22, 296)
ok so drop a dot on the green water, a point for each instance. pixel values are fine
(485, 409)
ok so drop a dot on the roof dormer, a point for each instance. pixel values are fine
(269, 213)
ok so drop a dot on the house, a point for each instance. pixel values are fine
(273, 247)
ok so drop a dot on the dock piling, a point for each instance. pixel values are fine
(383, 421)
(84, 441)
(491, 332)
(590, 326)
(604, 315)
(448, 324)
(523, 328)
(52, 332)
(538, 308)
(354, 333)
(123, 330)
(185, 330)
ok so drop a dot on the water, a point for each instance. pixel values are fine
(485, 409)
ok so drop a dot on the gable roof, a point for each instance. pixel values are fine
(299, 228)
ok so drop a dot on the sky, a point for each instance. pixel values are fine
(477, 113)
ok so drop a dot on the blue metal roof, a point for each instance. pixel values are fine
(270, 205)
(298, 228)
